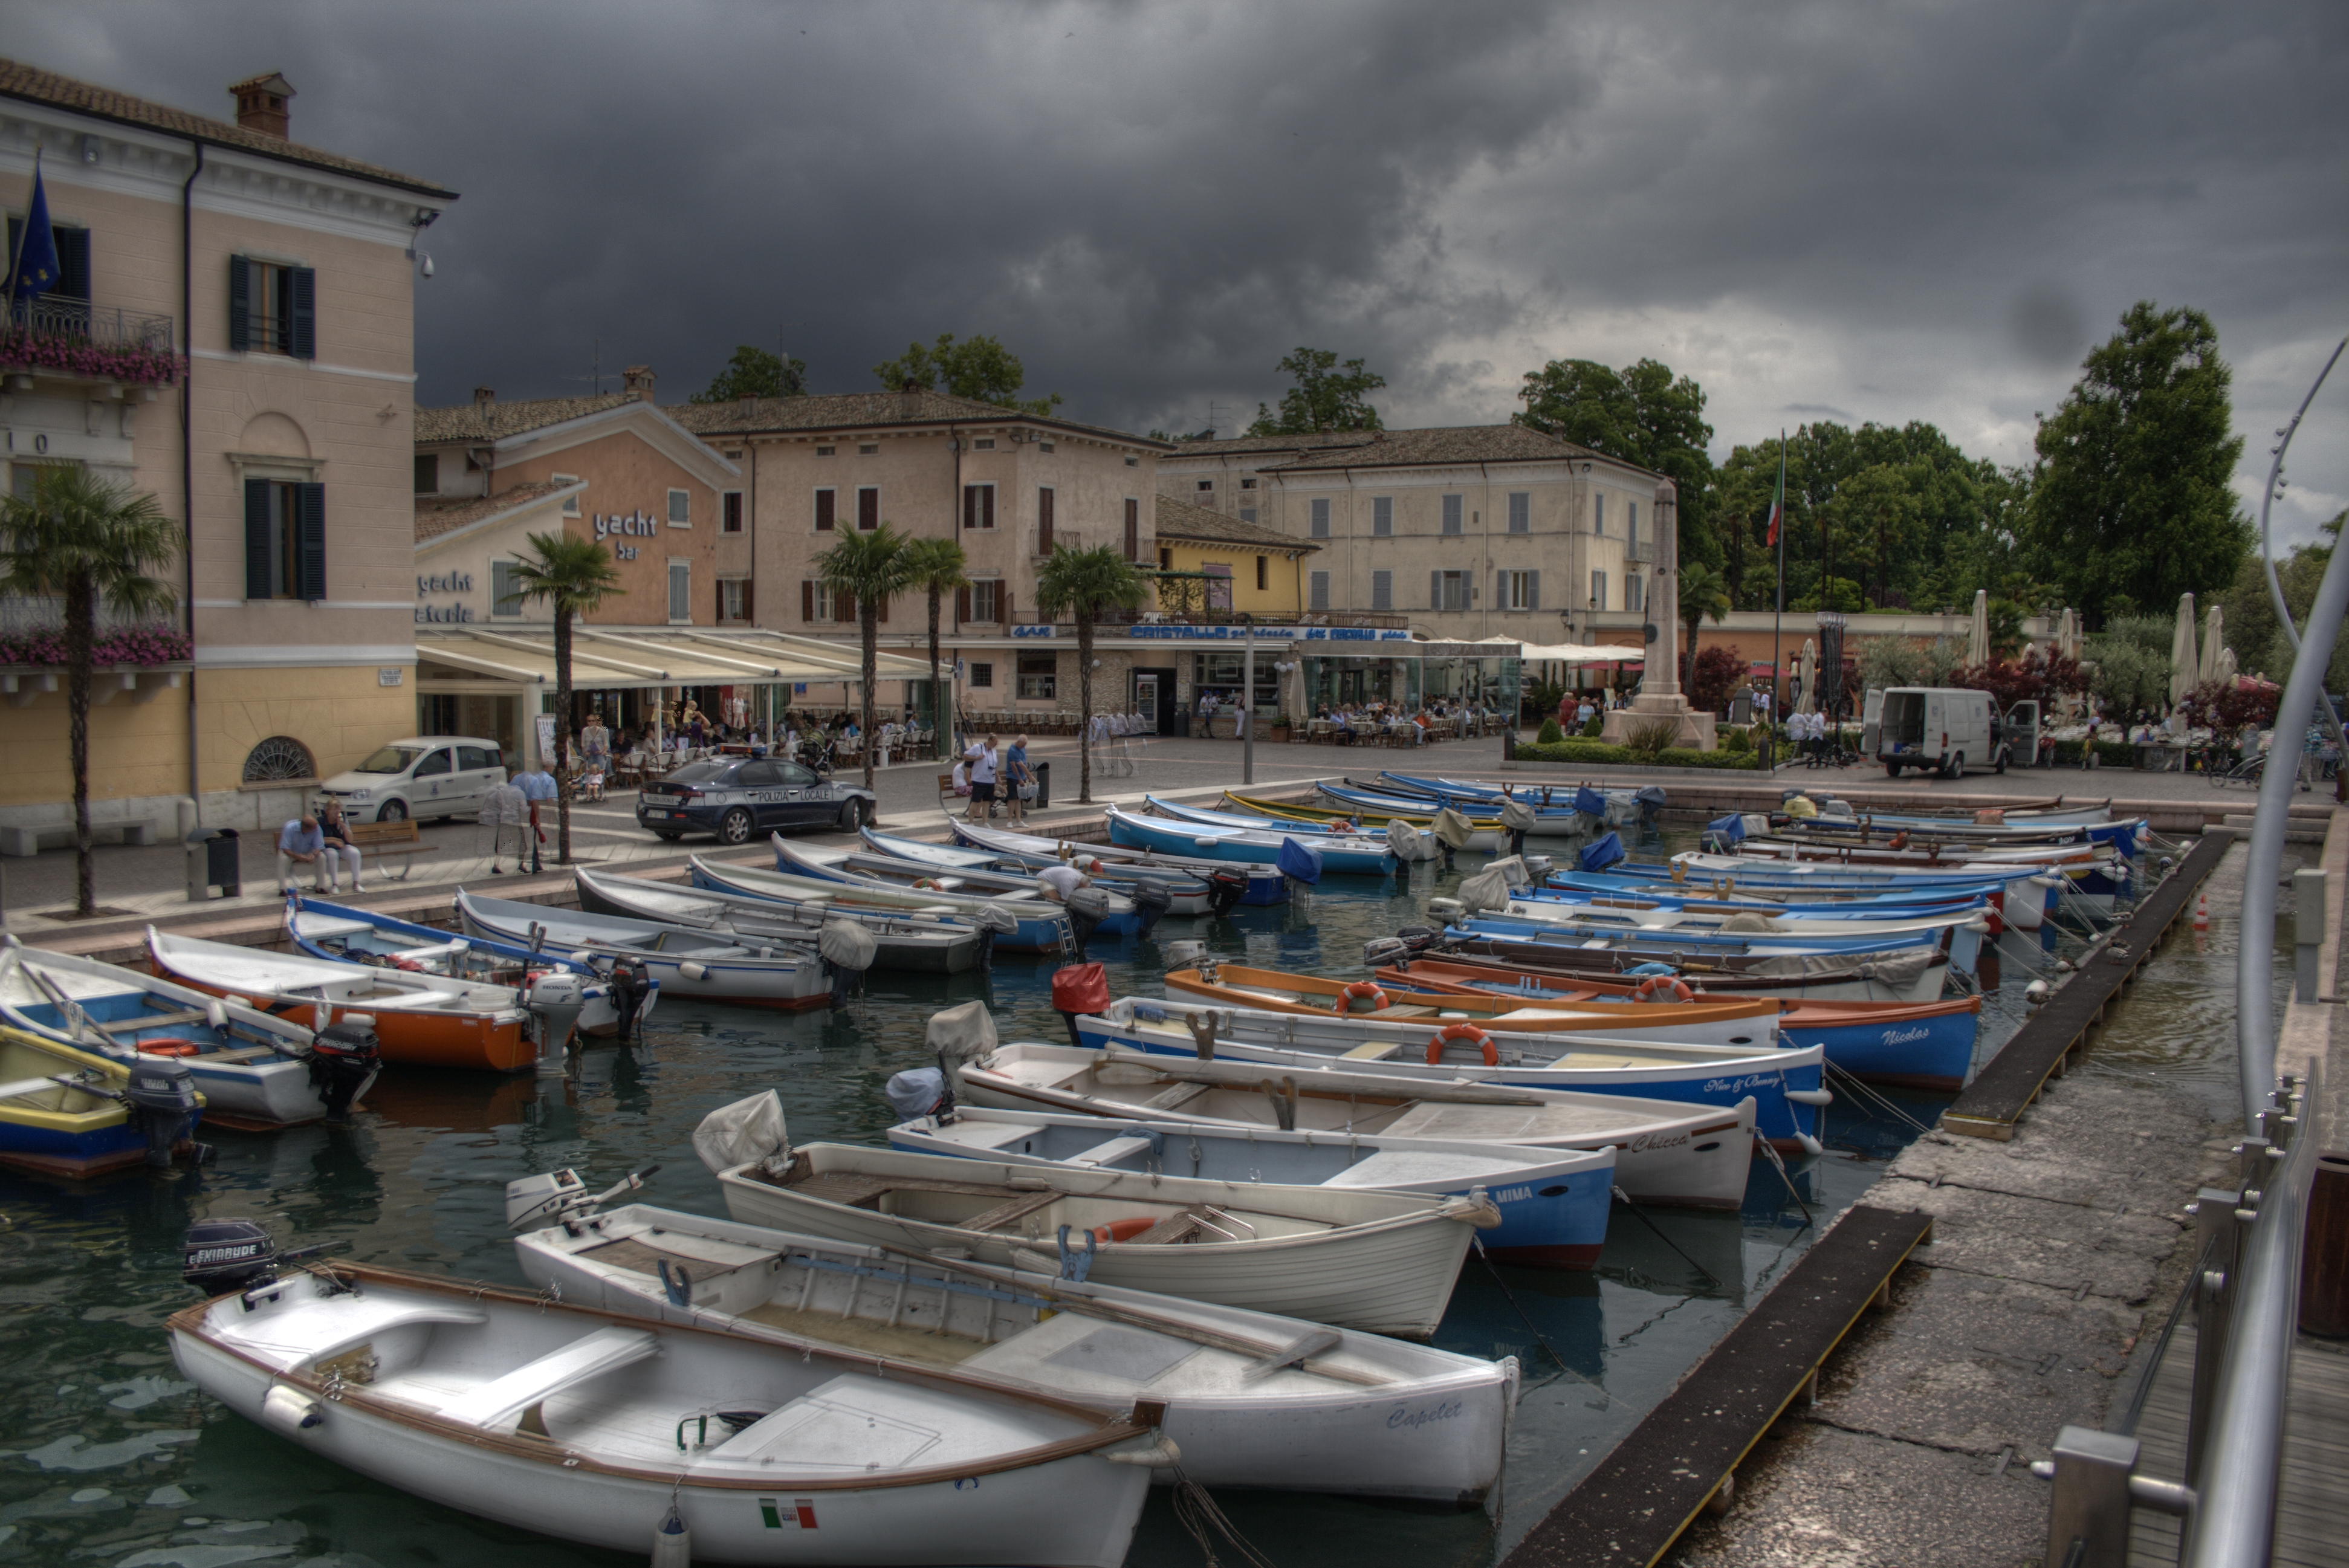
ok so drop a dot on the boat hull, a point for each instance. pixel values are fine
(1265, 885)
(1031, 933)
(933, 949)
(1726, 1022)
(1252, 846)
(477, 1042)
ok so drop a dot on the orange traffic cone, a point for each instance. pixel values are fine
(2202, 912)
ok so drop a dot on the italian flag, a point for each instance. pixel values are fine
(1778, 499)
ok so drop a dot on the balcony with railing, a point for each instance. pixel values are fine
(1639, 549)
(62, 338)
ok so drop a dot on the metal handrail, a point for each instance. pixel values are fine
(54, 315)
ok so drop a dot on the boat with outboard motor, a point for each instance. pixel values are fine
(1260, 884)
(1186, 895)
(921, 946)
(1601, 890)
(1666, 1151)
(1371, 805)
(1905, 975)
(254, 1070)
(685, 961)
(597, 1428)
(1033, 925)
(1383, 1262)
(74, 1113)
(1252, 1400)
(1304, 857)
(1285, 819)
(1111, 913)
(349, 934)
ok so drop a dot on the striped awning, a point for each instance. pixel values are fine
(654, 656)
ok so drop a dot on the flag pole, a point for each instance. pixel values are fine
(23, 235)
(1778, 527)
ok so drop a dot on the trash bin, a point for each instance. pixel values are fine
(215, 860)
(1043, 771)
(1181, 719)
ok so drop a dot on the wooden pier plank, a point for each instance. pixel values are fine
(1644, 1493)
(2010, 1080)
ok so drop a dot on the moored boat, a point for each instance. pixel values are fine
(1262, 884)
(1036, 924)
(74, 1113)
(1186, 894)
(906, 943)
(1343, 854)
(1913, 973)
(683, 960)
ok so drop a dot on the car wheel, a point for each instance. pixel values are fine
(1892, 770)
(1956, 768)
(734, 828)
(392, 811)
(852, 814)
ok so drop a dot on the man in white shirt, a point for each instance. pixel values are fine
(1059, 882)
(981, 756)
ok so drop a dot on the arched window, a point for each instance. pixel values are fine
(281, 757)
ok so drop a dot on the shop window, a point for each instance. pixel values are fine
(505, 590)
(1383, 517)
(285, 540)
(1381, 590)
(1521, 511)
(1520, 590)
(982, 675)
(730, 513)
(680, 508)
(280, 759)
(1040, 678)
(272, 308)
(1452, 515)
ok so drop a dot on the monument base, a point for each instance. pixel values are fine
(1693, 729)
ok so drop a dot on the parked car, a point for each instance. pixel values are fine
(740, 799)
(423, 777)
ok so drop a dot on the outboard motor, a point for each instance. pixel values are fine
(161, 1095)
(555, 1000)
(1452, 830)
(1078, 988)
(223, 1256)
(1517, 817)
(991, 920)
(1088, 907)
(1301, 865)
(1379, 951)
(343, 1059)
(919, 1091)
(847, 950)
(1151, 903)
(1182, 954)
(1224, 891)
(631, 990)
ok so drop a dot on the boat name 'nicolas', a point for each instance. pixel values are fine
(1902, 1036)
(1400, 1417)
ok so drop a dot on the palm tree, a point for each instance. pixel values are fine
(1703, 592)
(80, 538)
(1087, 583)
(574, 574)
(869, 567)
(936, 566)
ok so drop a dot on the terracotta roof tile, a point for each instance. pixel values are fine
(1238, 445)
(863, 410)
(30, 84)
(437, 515)
(1180, 519)
(473, 422)
(1442, 444)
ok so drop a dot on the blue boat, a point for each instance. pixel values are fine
(1265, 885)
(1337, 855)
(1554, 1202)
(1037, 927)
(86, 1124)
(1891, 903)
(1185, 895)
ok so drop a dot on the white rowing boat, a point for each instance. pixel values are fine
(927, 946)
(1381, 1261)
(686, 962)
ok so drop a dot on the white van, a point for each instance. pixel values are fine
(1941, 727)
(423, 777)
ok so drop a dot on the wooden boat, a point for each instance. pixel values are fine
(74, 1113)
(1186, 894)
(687, 963)
(1375, 805)
(1378, 1261)
(1909, 1045)
(1786, 1082)
(347, 934)
(1265, 885)
(252, 1068)
(1022, 896)
(1037, 925)
(1340, 854)
(1665, 1151)
(1960, 928)
(1904, 974)
(597, 1429)
(1519, 922)
(423, 1020)
(1553, 1202)
(1252, 1400)
(1741, 1023)
(1486, 833)
(906, 945)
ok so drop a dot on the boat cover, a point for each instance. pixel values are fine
(963, 1032)
(1601, 853)
(1300, 862)
(737, 1134)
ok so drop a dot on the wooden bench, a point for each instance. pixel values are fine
(390, 840)
(27, 841)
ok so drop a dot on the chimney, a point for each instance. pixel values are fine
(912, 385)
(483, 397)
(636, 382)
(261, 104)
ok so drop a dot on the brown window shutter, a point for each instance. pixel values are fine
(868, 510)
(1133, 528)
(986, 506)
(807, 600)
(962, 605)
(1044, 522)
(882, 614)
(971, 506)
(846, 607)
(824, 503)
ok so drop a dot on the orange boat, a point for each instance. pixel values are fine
(423, 1020)
(1272, 990)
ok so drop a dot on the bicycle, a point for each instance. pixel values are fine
(2248, 771)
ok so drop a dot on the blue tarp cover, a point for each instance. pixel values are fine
(1300, 862)
(1731, 828)
(1601, 853)
(1589, 802)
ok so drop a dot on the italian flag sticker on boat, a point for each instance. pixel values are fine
(801, 1512)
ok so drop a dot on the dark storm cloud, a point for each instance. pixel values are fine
(1920, 212)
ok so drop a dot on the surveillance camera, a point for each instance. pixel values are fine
(427, 263)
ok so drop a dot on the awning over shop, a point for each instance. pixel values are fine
(1580, 654)
(629, 657)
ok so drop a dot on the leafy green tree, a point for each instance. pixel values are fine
(1642, 414)
(869, 567)
(2128, 664)
(755, 372)
(2132, 496)
(1327, 396)
(1703, 592)
(576, 575)
(93, 544)
(1087, 584)
(977, 367)
(937, 567)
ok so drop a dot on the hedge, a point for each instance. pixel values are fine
(1595, 753)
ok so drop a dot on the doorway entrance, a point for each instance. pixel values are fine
(1153, 699)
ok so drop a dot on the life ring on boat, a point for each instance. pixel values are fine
(1460, 1031)
(1361, 991)
(1655, 986)
(923, 884)
(409, 965)
(168, 1046)
(1123, 1229)
(1899, 840)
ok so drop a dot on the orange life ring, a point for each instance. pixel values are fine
(409, 965)
(1123, 1229)
(1648, 990)
(1460, 1031)
(1899, 840)
(1361, 991)
(168, 1046)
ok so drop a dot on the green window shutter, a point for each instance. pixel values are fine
(1435, 590)
(240, 303)
(310, 540)
(302, 312)
(257, 583)
(1533, 590)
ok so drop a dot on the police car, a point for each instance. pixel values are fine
(743, 798)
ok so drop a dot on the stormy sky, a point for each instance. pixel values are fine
(1819, 211)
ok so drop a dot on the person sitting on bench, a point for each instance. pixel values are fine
(338, 851)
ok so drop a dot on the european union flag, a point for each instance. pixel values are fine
(36, 253)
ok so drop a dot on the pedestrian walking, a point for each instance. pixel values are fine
(983, 761)
(504, 807)
(1020, 778)
(538, 787)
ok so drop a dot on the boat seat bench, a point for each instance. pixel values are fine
(502, 1400)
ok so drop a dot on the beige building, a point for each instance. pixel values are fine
(260, 292)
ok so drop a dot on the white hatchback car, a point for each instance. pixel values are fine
(423, 777)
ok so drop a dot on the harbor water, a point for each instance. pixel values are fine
(110, 1460)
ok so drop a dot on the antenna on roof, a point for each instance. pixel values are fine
(784, 354)
(596, 370)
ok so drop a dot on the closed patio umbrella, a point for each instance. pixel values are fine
(2213, 643)
(1978, 634)
(1806, 670)
(2184, 665)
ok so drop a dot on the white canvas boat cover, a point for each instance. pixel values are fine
(962, 1032)
(848, 943)
(1747, 921)
(1488, 888)
(747, 1131)
(1899, 969)
(1403, 838)
(1452, 828)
